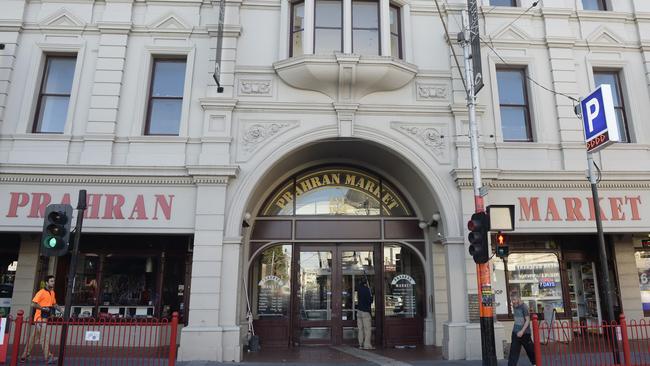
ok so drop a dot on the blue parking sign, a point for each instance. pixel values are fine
(599, 119)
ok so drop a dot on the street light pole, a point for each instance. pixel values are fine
(485, 294)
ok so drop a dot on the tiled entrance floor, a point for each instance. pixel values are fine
(342, 355)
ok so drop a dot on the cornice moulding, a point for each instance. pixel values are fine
(285, 106)
(95, 180)
(213, 171)
(217, 104)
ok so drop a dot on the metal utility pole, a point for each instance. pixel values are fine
(81, 208)
(602, 251)
(485, 294)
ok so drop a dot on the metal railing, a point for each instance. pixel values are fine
(89, 341)
(567, 342)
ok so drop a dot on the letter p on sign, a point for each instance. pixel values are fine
(593, 109)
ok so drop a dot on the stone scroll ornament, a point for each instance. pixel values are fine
(256, 133)
(431, 137)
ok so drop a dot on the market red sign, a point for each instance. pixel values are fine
(616, 208)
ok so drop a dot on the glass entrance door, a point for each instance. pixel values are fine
(325, 293)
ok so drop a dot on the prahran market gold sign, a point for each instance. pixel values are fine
(391, 201)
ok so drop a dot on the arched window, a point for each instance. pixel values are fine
(403, 282)
(336, 192)
(271, 283)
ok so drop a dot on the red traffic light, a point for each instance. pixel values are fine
(501, 239)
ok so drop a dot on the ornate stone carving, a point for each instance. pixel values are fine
(433, 138)
(253, 135)
(431, 91)
(256, 133)
(255, 87)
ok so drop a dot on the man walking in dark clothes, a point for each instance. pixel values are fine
(520, 332)
(364, 317)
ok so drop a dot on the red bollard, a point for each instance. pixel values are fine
(627, 358)
(537, 341)
(15, 347)
(172, 341)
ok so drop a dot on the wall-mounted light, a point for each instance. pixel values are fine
(245, 223)
(433, 222)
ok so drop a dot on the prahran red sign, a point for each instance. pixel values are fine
(101, 206)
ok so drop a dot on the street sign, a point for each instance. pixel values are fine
(599, 119)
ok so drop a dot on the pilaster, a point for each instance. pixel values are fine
(105, 98)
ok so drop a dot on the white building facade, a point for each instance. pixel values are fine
(342, 126)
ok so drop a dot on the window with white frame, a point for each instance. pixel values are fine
(54, 94)
(513, 104)
(347, 26)
(611, 77)
(594, 5)
(165, 96)
(503, 2)
(328, 26)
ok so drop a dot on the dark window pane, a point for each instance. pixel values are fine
(165, 116)
(296, 49)
(328, 13)
(53, 113)
(298, 17)
(327, 41)
(364, 14)
(60, 72)
(513, 124)
(169, 78)
(593, 5)
(511, 87)
(503, 2)
(394, 20)
(365, 42)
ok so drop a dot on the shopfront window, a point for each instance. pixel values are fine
(643, 267)
(137, 277)
(535, 277)
(403, 281)
(8, 268)
(272, 282)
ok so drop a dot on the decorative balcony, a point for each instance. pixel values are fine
(345, 77)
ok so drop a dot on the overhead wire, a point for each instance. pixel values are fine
(490, 45)
(453, 51)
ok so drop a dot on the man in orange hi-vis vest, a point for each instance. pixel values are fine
(44, 302)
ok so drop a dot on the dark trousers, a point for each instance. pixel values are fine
(515, 349)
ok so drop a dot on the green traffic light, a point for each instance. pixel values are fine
(51, 242)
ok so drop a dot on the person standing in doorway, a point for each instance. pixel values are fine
(44, 302)
(364, 316)
(520, 332)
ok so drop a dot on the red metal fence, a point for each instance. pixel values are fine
(103, 341)
(578, 343)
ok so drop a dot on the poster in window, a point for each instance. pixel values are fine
(643, 268)
(273, 297)
(403, 296)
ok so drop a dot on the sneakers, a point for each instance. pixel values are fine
(52, 360)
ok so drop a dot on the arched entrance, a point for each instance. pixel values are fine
(319, 234)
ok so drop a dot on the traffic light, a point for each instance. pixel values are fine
(479, 226)
(502, 245)
(56, 230)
